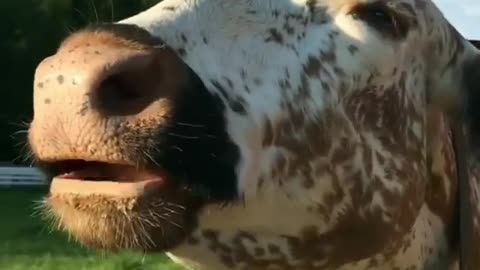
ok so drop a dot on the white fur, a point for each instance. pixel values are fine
(236, 41)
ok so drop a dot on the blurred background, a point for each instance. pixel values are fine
(30, 31)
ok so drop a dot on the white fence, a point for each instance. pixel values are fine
(21, 176)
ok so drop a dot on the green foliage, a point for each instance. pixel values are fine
(30, 31)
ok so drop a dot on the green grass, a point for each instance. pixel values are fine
(27, 243)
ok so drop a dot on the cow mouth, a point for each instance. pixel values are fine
(119, 206)
(116, 178)
(98, 173)
(102, 171)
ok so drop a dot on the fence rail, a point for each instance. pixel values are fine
(21, 176)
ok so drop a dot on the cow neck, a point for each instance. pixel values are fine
(464, 190)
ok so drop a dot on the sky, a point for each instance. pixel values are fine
(463, 15)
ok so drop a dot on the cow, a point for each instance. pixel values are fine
(264, 134)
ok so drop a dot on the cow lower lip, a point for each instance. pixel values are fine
(61, 186)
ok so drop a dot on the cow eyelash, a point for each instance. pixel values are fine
(381, 17)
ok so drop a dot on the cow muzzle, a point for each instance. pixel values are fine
(133, 140)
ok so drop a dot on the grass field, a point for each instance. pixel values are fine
(26, 243)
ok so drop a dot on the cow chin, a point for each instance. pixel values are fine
(146, 215)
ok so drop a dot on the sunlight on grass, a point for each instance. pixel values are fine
(27, 243)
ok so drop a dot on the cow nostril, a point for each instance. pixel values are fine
(115, 89)
(127, 92)
(116, 95)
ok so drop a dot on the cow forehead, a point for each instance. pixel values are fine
(260, 29)
(277, 52)
(240, 17)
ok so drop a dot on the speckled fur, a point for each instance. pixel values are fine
(346, 151)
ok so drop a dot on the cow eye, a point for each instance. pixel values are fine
(383, 18)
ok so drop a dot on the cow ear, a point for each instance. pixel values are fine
(471, 86)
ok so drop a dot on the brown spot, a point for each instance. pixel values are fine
(273, 249)
(288, 28)
(276, 13)
(274, 36)
(184, 38)
(60, 79)
(229, 82)
(182, 52)
(227, 261)
(243, 74)
(47, 101)
(169, 8)
(268, 136)
(193, 241)
(210, 234)
(313, 66)
(308, 183)
(352, 49)
(442, 167)
(259, 252)
(238, 106)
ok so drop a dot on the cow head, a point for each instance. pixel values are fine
(247, 132)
